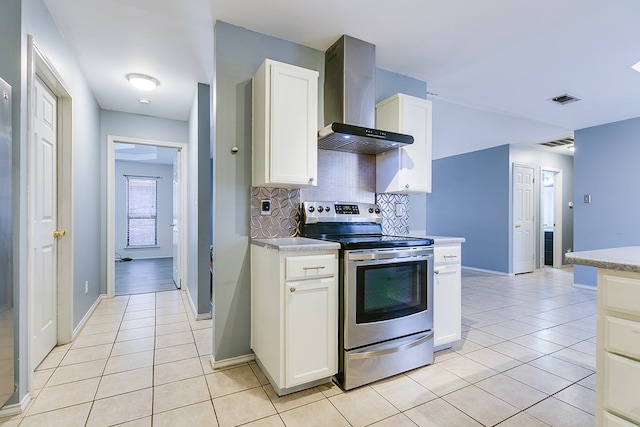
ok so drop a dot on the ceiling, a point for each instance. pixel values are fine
(501, 56)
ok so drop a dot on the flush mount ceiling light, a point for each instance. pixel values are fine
(142, 81)
(636, 66)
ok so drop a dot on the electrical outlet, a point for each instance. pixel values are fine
(586, 198)
(400, 210)
(265, 207)
(86, 286)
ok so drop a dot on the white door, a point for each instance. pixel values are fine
(44, 213)
(175, 223)
(523, 233)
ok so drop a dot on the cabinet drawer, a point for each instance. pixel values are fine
(621, 293)
(622, 336)
(611, 420)
(622, 386)
(446, 254)
(308, 267)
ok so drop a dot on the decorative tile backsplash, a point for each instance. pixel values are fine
(395, 213)
(284, 220)
(342, 177)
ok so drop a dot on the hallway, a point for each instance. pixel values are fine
(527, 358)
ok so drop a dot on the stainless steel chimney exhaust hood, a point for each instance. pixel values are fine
(349, 101)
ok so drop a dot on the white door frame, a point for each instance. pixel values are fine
(39, 65)
(111, 221)
(557, 217)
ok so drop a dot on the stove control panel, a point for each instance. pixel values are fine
(314, 212)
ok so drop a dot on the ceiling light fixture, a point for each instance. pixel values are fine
(636, 66)
(144, 101)
(142, 81)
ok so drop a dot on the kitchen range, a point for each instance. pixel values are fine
(385, 322)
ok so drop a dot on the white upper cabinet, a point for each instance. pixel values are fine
(407, 169)
(285, 126)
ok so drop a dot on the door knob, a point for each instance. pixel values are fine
(58, 233)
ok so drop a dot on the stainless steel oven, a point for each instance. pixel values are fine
(386, 292)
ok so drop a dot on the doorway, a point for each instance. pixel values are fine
(551, 218)
(146, 184)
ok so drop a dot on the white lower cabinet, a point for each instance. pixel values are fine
(618, 349)
(447, 295)
(294, 316)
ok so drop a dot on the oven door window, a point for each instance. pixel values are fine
(390, 291)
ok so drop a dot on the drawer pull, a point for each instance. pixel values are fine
(451, 256)
(320, 267)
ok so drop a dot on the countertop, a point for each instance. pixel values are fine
(292, 244)
(441, 240)
(623, 259)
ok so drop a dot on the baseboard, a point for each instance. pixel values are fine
(481, 270)
(198, 316)
(587, 287)
(16, 408)
(86, 317)
(232, 361)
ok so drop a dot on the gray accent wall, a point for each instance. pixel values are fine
(606, 167)
(20, 18)
(198, 198)
(470, 199)
(238, 54)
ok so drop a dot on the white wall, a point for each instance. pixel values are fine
(165, 209)
(459, 129)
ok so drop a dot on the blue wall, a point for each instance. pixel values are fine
(606, 167)
(470, 198)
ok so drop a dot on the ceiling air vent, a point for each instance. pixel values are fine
(557, 142)
(564, 99)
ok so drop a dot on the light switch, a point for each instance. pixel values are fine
(586, 198)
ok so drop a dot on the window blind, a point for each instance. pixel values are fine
(142, 211)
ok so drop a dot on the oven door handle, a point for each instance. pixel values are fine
(362, 256)
(368, 354)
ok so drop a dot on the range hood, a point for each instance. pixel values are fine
(349, 101)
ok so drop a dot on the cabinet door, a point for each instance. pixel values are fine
(294, 125)
(407, 169)
(415, 160)
(311, 337)
(447, 308)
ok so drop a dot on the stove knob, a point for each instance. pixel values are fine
(377, 210)
(311, 209)
(320, 209)
(327, 209)
(370, 210)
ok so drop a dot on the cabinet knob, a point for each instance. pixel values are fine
(311, 179)
(406, 186)
(292, 289)
(436, 271)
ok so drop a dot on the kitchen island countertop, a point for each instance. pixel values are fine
(624, 258)
(292, 244)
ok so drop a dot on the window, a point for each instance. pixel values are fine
(142, 211)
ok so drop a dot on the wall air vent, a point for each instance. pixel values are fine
(564, 99)
(558, 142)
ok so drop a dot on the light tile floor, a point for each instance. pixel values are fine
(527, 358)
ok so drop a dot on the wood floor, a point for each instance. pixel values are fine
(144, 275)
